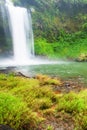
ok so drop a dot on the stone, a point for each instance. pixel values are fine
(5, 127)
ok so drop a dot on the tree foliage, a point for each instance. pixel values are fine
(56, 21)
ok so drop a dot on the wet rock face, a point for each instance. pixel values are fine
(5, 127)
(5, 34)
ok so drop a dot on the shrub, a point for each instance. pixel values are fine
(43, 48)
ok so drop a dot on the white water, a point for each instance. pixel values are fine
(22, 36)
(34, 61)
(21, 30)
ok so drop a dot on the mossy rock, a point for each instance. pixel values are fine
(82, 57)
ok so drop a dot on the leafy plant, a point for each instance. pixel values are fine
(43, 48)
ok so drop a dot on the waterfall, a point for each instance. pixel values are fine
(21, 30)
(17, 30)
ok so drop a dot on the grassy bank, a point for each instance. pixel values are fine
(61, 49)
(28, 104)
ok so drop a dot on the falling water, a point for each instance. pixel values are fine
(21, 30)
(20, 25)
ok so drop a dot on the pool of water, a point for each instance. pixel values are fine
(64, 70)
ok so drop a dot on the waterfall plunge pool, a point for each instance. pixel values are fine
(64, 70)
(20, 25)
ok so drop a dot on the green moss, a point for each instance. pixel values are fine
(46, 80)
(14, 111)
(76, 105)
(49, 128)
(27, 98)
(24, 102)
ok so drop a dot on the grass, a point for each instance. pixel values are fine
(26, 102)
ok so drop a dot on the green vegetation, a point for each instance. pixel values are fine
(75, 105)
(12, 110)
(21, 101)
(25, 103)
(43, 48)
(62, 49)
(59, 26)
